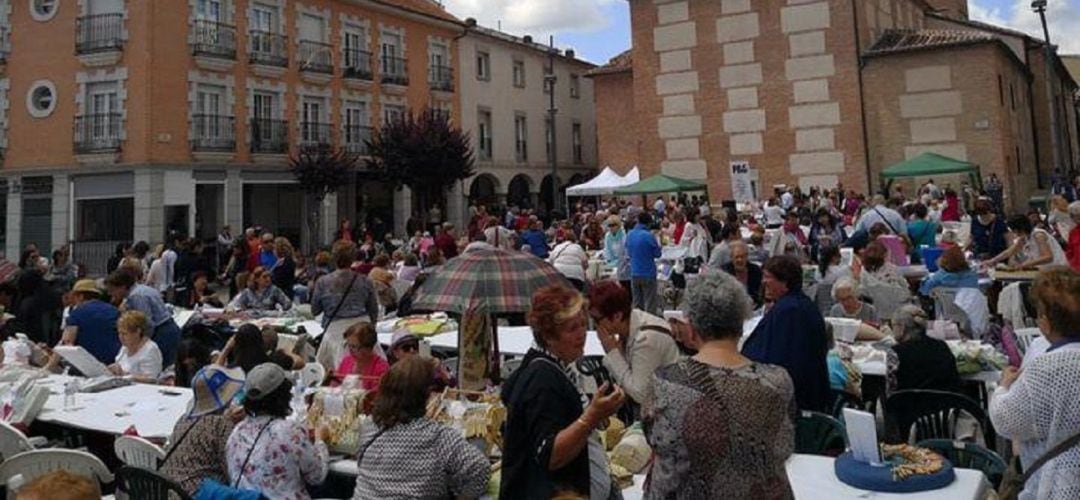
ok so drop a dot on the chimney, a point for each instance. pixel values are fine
(527, 39)
(470, 22)
(570, 53)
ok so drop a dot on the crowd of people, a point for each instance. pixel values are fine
(718, 403)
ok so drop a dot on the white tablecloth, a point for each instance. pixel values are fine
(152, 409)
(513, 340)
(812, 478)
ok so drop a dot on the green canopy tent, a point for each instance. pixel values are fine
(928, 164)
(661, 183)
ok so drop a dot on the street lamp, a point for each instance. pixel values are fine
(549, 81)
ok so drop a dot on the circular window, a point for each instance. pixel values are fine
(43, 10)
(41, 100)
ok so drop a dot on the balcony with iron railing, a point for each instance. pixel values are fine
(315, 57)
(356, 137)
(213, 39)
(357, 65)
(268, 49)
(99, 33)
(315, 135)
(395, 70)
(269, 136)
(99, 133)
(441, 78)
(213, 133)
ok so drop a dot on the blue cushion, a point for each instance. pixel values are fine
(879, 478)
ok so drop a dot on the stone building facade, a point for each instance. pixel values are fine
(786, 86)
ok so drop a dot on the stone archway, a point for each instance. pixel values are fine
(519, 191)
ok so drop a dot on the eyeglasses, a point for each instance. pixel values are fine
(410, 347)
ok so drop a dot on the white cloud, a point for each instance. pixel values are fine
(538, 18)
(1062, 16)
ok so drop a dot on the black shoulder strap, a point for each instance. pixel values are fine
(348, 289)
(240, 473)
(885, 219)
(360, 455)
(1061, 447)
(181, 440)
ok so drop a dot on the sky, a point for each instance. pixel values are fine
(600, 29)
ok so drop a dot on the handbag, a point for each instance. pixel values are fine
(210, 489)
(1013, 481)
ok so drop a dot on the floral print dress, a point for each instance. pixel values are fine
(283, 461)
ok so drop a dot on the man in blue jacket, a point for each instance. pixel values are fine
(536, 239)
(643, 250)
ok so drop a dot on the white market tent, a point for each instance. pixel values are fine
(605, 183)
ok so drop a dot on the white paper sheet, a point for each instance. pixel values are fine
(862, 435)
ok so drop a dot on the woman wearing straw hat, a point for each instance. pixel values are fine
(92, 323)
(198, 441)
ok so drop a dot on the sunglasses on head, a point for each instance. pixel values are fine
(410, 347)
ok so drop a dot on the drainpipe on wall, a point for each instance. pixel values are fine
(1034, 127)
(862, 97)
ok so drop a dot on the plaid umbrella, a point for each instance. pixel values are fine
(494, 281)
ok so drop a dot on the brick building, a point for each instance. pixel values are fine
(125, 119)
(814, 93)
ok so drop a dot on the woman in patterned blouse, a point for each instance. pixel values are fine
(408, 456)
(721, 426)
(268, 453)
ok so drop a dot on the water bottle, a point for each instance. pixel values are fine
(71, 387)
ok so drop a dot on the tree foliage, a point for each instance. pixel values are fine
(424, 152)
(321, 171)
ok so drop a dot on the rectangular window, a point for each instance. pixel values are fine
(354, 39)
(104, 111)
(575, 86)
(519, 74)
(576, 141)
(312, 28)
(391, 44)
(483, 66)
(208, 111)
(312, 125)
(208, 10)
(264, 18)
(356, 124)
(484, 135)
(393, 113)
(549, 77)
(521, 139)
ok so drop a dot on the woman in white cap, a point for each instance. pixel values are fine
(269, 453)
(197, 450)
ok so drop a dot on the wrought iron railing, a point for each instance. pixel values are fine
(356, 137)
(269, 49)
(441, 78)
(99, 33)
(213, 133)
(357, 65)
(214, 39)
(99, 133)
(314, 134)
(269, 136)
(395, 70)
(315, 57)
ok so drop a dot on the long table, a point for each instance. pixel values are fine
(152, 409)
(812, 477)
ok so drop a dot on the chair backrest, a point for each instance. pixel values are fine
(969, 456)
(144, 484)
(12, 441)
(843, 400)
(1024, 336)
(819, 434)
(35, 463)
(933, 415)
(593, 366)
(138, 452)
(945, 308)
(312, 374)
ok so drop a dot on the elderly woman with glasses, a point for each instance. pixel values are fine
(361, 357)
(550, 441)
(720, 425)
(636, 342)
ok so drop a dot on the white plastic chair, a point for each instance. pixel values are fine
(33, 464)
(138, 452)
(1024, 336)
(312, 375)
(13, 441)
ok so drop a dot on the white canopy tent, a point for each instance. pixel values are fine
(605, 183)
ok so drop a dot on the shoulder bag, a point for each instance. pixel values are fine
(213, 490)
(1013, 482)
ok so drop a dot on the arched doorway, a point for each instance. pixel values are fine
(519, 192)
(576, 179)
(546, 192)
(483, 191)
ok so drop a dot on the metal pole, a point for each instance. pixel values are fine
(550, 80)
(1055, 133)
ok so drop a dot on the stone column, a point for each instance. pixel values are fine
(402, 209)
(61, 211)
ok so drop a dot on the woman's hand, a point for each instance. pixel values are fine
(1008, 376)
(608, 340)
(115, 369)
(609, 398)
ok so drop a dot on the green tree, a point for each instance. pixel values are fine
(321, 171)
(424, 152)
